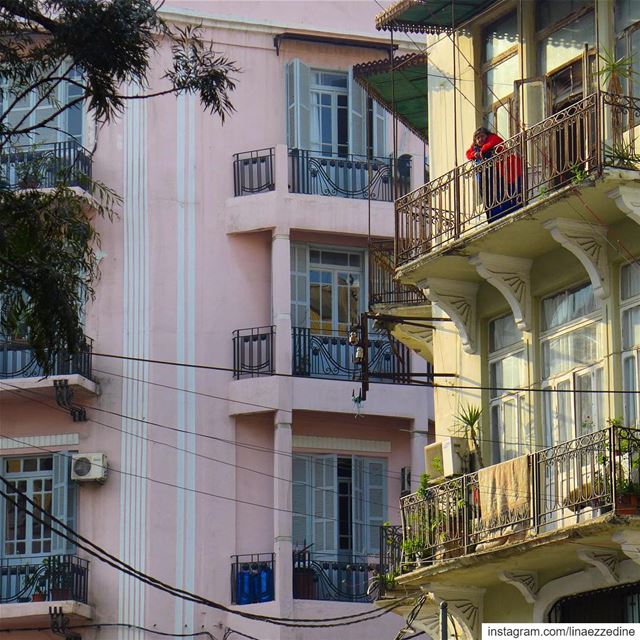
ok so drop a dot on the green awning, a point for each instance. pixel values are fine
(429, 16)
(403, 92)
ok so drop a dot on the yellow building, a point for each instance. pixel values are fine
(525, 256)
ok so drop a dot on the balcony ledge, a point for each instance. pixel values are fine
(35, 383)
(36, 614)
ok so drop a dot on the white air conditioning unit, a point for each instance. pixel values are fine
(446, 458)
(89, 467)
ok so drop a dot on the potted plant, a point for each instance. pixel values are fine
(627, 497)
(59, 577)
(34, 586)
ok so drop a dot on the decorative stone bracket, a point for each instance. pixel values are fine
(627, 198)
(525, 582)
(606, 562)
(510, 276)
(464, 606)
(588, 243)
(629, 542)
(458, 300)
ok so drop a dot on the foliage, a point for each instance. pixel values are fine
(468, 420)
(48, 267)
(579, 174)
(423, 487)
(621, 155)
(613, 70)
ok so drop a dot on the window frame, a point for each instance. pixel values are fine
(633, 351)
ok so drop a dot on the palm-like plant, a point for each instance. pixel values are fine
(612, 72)
(468, 419)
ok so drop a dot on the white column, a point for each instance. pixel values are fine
(282, 169)
(281, 299)
(282, 517)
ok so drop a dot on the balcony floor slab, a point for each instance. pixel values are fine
(14, 386)
(36, 614)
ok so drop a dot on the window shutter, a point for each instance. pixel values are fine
(64, 500)
(298, 93)
(357, 116)
(379, 131)
(325, 504)
(358, 506)
(375, 474)
(299, 286)
(301, 501)
(3, 509)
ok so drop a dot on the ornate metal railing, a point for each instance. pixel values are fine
(513, 501)
(390, 557)
(17, 360)
(254, 171)
(343, 578)
(383, 288)
(45, 165)
(329, 355)
(44, 578)
(253, 352)
(252, 578)
(565, 148)
(349, 176)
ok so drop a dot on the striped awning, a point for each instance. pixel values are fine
(402, 91)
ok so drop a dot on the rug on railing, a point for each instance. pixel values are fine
(504, 500)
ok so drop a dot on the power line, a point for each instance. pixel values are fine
(101, 554)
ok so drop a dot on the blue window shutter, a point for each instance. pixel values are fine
(3, 508)
(325, 504)
(358, 506)
(64, 500)
(379, 131)
(299, 286)
(298, 95)
(301, 501)
(357, 117)
(375, 473)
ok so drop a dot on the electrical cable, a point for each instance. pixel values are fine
(101, 554)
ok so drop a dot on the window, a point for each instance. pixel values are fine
(339, 503)
(501, 67)
(45, 480)
(627, 28)
(32, 110)
(630, 319)
(330, 114)
(509, 424)
(326, 288)
(571, 361)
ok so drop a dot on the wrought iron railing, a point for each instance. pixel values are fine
(565, 148)
(329, 355)
(383, 288)
(341, 577)
(513, 501)
(45, 165)
(43, 578)
(17, 360)
(348, 176)
(390, 557)
(252, 578)
(253, 352)
(254, 171)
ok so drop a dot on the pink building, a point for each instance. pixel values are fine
(242, 248)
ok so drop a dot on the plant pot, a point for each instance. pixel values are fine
(61, 594)
(38, 597)
(627, 504)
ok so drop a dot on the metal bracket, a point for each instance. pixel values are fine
(64, 399)
(59, 624)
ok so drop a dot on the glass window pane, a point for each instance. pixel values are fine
(576, 348)
(46, 464)
(568, 306)
(30, 464)
(566, 43)
(631, 328)
(13, 465)
(503, 332)
(627, 12)
(629, 281)
(551, 11)
(501, 36)
(338, 258)
(629, 383)
(499, 80)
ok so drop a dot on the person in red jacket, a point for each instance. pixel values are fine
(499, 183)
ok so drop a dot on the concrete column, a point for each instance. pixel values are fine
(281, 299)
(282, 169)
(282, 518)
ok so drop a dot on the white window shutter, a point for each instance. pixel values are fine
(298, 93)
(299, 286)
(379, 131)
(357, 117)
(301, 501)
(63, 504)
(325, 504)
(375, 473)
(3, 510)
(358, 506)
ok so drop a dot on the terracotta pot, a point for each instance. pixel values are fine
(38, 597)
(627, 504)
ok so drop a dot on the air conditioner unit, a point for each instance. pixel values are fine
(89, 467)
(446, 458)
(405, 481)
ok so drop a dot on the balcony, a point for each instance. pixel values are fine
(253, 352)
(20, 369)
(556, 157)
(329, 355)
(28, 586)
(580, 489)
(252, 578)
(44, 166)
(332, 577)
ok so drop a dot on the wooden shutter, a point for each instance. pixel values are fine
(375, 475)
(298, 94)
(357, 116)
(301, 501)
(325, 504)
(63, 504)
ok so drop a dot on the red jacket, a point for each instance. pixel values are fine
(510, 166)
